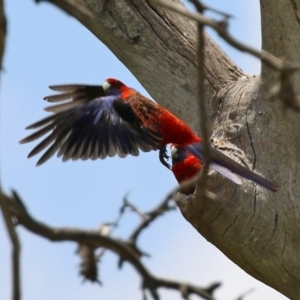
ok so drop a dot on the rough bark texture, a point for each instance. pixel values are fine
(257, 229)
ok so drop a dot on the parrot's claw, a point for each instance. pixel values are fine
(163, 156)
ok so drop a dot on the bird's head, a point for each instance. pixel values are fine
(113, 86)
(178, 154)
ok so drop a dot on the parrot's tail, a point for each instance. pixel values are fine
(224, 164)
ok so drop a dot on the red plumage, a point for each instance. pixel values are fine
(156, 117)
(185, 166)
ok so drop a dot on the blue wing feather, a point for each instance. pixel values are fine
(88, 127)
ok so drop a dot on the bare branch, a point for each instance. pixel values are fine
(94, 239)
(3, 31)
(189, 289)
(202, 107)
(149, 217)
(88, 266)
(241, 297)
(16, 277)
(202, 7)
(128, 204)
(16, 247)
(91, 255)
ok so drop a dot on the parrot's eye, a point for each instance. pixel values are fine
(179, 154)
(106, 86)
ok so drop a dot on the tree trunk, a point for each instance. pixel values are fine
(257, 229)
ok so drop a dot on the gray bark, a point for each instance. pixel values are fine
(255, 228)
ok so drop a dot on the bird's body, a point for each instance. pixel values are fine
(93, 122)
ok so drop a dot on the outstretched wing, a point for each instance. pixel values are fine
(86, 125)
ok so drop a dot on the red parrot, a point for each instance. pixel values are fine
(184, 166)
(99, 121)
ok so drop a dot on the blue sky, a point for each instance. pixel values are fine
(45, 46)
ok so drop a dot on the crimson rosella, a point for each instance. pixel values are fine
(113, 119)
(185, 166)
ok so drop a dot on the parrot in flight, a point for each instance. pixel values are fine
(92, 122)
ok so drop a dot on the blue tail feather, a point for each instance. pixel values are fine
(221, 160)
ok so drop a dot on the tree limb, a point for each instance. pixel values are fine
(16, 247)
(151, 216)
(95, 239)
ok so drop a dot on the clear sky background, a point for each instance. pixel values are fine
(45, 46)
